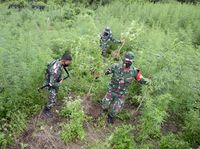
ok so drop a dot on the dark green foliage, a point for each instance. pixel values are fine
(191, 129)
(171, 141)
(69, 14)
(164, 38)
(60, 2)
(3, 140)
(38, 5)
(121, 138)
(124, 115)
(20, 74)
(17, 4)
(153, 116)
(96, 3)
(74, 129)
(189, 1)
(58, 47)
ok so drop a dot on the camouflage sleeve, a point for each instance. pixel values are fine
(138, 76)
(115, 40)
(111, 69)
(100, 39)
(55, 74)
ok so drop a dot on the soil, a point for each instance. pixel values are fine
(43, 132)
(171, 124)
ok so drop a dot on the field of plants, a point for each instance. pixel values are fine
(165, 38)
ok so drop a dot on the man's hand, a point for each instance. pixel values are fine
(108, 71)
(122, 40)
(148, 81)
(61, 81)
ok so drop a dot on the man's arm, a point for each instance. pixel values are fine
(115, 40)
(140, 78)
(54, 77)
(111, 69)
(108, 71)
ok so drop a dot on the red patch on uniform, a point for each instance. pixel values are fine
(138, 76)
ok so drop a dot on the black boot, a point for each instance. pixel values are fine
(47, 112)
(103, 112)
(110, 119)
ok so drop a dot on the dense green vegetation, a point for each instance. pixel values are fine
(165, 38)
(74, 112)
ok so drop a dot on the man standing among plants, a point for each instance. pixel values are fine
(105, 37)
(122, 76)
(53, 80)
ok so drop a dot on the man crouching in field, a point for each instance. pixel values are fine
(122, 76)
(53, 79)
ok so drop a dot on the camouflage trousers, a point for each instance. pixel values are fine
(104, 47)
(113, 102)
(52, 93)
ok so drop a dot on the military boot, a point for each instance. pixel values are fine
(103, 112)
(110, 119)
(47, 112)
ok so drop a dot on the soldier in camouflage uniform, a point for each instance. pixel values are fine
(122, 76)
(53, 78)
(105, 37)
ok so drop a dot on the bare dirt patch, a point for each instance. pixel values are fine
(91, 108)
(43, 132)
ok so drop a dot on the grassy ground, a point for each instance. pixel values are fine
(164, 37)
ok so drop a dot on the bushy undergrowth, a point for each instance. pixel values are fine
(73, 129)
(154, 114)
(171, 141)
(164, 37)
(121, 138)
(191, 128)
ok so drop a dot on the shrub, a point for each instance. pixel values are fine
(121, 138)
(74, 129)
(191, 130)
(171, 141)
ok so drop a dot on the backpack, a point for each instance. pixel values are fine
(49, 65)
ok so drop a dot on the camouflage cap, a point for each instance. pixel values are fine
(129, 56)
(107, 28)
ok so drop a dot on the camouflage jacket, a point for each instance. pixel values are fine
(55, 72)
(105, 37)
(121, 80)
